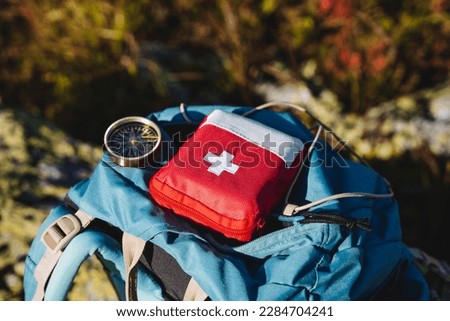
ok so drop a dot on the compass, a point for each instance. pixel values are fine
(131, 140)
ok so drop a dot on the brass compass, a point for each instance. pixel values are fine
(131, 141)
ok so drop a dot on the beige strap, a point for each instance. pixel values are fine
(194, 292)
(132, 248)
(55, 238)
(84, 218)
(43, 271)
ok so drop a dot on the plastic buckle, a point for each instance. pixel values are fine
(59, 234)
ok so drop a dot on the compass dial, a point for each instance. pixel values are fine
(131, 140)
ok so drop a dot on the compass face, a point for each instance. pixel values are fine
(131, 140)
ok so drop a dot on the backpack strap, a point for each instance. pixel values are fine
(194, 292)
(132, 248)
(55, 238)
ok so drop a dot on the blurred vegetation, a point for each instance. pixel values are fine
(39, 164)
(369, 69)
(83, 63)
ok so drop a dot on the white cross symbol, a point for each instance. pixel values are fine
(221, 163)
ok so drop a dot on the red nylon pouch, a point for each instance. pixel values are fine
(229, 174)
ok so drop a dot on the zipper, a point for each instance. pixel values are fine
(212, 224)
(335, 218)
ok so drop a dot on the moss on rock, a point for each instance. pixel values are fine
(39, 164)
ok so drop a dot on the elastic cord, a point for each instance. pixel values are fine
(310, 149)
(184, 113)
(306, 111)
(294, 209)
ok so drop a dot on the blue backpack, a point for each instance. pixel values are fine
(339, 238)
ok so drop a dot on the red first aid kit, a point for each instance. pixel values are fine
(229, 174)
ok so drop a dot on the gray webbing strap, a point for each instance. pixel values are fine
(132, 248)
(55, 238)
(194, 292)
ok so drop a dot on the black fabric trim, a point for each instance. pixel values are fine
(167, 272)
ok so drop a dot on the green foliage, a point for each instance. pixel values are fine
(73, 59)
(56, 54)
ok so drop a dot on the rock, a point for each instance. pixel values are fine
(383, 132)
(436, 134)
(326, 106)
(298, 93)
(440, 105)
(39, 164)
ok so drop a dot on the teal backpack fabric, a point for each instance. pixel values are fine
(296, 260)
